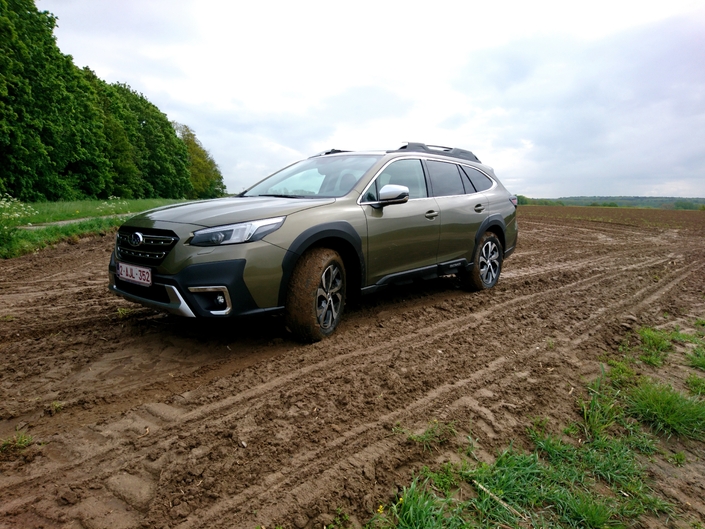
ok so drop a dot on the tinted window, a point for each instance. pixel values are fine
(445, 179)
(407, 173)
(480, 181)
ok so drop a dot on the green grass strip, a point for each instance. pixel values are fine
(16, 242)
(43, 212)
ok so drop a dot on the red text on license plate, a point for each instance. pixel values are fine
(135, 274)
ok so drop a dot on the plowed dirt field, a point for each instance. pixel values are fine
(146, 420)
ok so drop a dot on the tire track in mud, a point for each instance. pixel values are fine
(306, 473)
(357, 435)
(431, 404)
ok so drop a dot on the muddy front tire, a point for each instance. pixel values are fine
(316, 295)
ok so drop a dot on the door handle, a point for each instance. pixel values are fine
(479, 208)
(430, 215)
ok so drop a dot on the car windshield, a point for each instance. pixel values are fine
(322, 176)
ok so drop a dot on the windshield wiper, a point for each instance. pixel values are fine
(279, 196)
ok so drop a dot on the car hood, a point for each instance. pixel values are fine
(209, 213)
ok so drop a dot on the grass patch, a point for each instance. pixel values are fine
(697, 358)
(19, 242)
(666, 410)
(600, 411)
(437, 433)
(563, 482)
(696, 385)
(80, 209)
(621, 374)
(655, 346)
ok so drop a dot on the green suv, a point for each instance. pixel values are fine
(335, 225)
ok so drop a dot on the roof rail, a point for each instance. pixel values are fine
(439, 149)
(329, 151)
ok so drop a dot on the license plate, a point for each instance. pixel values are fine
(135, 274)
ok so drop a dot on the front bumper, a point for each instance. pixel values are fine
(200, 290)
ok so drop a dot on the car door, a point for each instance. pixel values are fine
(400, 237)
(463, 210)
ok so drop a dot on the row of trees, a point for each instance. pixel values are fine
(66, 134)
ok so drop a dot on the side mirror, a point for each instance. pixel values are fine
(393, 194)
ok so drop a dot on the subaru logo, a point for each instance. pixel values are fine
(136, 239)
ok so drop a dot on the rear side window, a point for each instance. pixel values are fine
(479, 180)
(407, 173)
(445, 179)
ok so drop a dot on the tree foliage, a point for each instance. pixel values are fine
(206, 179)
(65, 134)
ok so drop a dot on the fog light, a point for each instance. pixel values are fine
(220, 300)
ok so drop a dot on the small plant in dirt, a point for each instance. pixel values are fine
(697, 358)
(341, 520)
(678, 459)
(17, 442)
(621, 374)
(655, 346)
(55, 407)
(695, 384)
(123, 312)
(444, 479)
(666, 410)
(437, 433)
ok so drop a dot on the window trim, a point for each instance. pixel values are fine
(362, 202)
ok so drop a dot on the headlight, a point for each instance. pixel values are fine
(236, 233)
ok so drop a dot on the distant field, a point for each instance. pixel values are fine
(80, 209)
(649, 218)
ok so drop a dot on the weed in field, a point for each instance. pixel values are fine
(341, 521)
(600, 411)
(123, 312)
(655, 346)
(666, 410)
(695, 384)
(635, 438)
(697, 358)
(16, 442)
(678, 336)
(443, 480)
(550, 344)
(437, 433)
(678, 459)
(700, 323)
(56, 407)
(417, 508)
(621, 374)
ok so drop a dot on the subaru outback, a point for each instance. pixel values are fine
(336, 225)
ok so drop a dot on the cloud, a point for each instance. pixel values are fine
(619, 115)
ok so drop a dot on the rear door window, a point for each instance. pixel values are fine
(445, 179)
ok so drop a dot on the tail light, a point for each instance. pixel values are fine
(514, 200)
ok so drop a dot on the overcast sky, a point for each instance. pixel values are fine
(560, 98)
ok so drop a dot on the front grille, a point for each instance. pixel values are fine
(151, 248)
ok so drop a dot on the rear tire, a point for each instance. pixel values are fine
(316, 295)
(487, 264)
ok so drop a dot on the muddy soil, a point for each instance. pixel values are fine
(145, 420)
